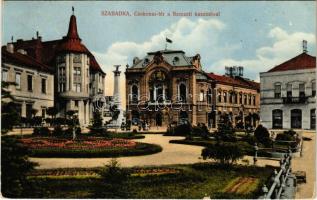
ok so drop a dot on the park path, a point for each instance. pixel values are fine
(171, 154)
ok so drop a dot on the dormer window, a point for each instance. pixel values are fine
(146, 61)
(175, 60)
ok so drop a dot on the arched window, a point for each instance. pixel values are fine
(313, 118)
(201, 95)
(219, 96)
(240, 99)
(245, 99)
(182, 92)
(135, 93)
(225, 97)
(235, 98)
(296, 118)
(230, 97)
(277, 118)
(250, 99)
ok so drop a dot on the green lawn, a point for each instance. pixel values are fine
(187, 181)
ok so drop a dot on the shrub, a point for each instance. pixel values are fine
(290, 132)
(69, 131)
(58, 130)
(262, 135)
(44, 131)
(224, 153)
(36, 131)
(250, 139)
(285, 137)
(114, 178)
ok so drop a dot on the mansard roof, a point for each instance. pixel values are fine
(302, 61)
(173, 57)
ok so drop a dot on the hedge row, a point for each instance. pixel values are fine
(140, 149)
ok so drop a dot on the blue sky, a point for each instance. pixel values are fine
(256, 35)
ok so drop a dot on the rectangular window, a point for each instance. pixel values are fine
(62, 79)
(240, 99)
(77, 87)
(250, 99)
(289, 90)
(302, 89)
(254, 100)
(277, 91)
(43, 112)
(77, 75)
(4, 75)
(18, 81)
(76, 103)
(44, 85)
(313, 93)
(30, 83)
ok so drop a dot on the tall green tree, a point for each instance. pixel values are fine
(9, 115)
(14, 168)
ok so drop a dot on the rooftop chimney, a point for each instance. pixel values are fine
(304, 46)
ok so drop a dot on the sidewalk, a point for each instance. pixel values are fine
(307, 163)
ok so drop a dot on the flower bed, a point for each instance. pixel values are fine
(89, 147)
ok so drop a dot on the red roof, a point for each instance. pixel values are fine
(302, 61)
(46, 52)
(72, 42)
(25, 60)
(237, 81)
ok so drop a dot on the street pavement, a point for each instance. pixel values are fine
(307, 163)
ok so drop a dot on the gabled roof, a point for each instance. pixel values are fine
(302, 61)
(235, 81)
(24, 60)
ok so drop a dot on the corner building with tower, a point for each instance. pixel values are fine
(61, 73)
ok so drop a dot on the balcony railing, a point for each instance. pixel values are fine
(294, 100)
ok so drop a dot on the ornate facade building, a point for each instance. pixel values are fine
(167, 86)
(238, 97)
(288, 94)
(61, 73)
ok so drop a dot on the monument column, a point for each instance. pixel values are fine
(117, 96)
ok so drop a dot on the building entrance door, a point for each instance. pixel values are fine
(277, 119)
(158, 119)
(296, 118)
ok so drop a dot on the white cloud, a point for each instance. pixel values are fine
(285, 46)
(189, 35)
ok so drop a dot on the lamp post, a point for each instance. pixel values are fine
(255, 158)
